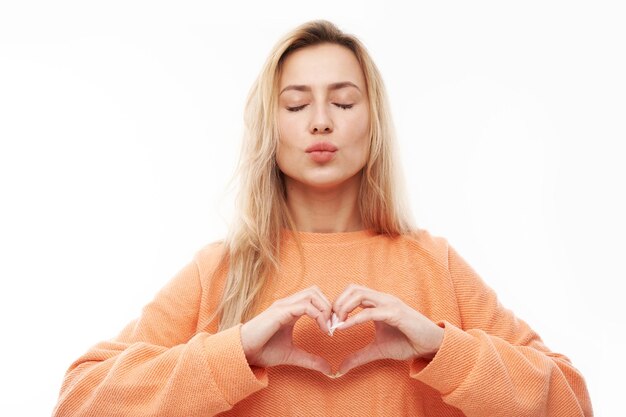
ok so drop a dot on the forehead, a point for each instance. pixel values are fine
(320, 65)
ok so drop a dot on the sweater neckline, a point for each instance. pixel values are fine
(289, 235)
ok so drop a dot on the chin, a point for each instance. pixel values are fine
(323, 179)
(330, 182)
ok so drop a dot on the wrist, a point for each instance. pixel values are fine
(437, 340)
(244, 342)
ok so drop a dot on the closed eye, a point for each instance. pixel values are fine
(341, 106)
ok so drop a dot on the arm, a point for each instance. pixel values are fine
(159, 365)
(496, 365)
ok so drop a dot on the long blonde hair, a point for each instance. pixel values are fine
(253, 243)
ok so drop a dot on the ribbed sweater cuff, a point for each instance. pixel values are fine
(453, 362)
(229, 366)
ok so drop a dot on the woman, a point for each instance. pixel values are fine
(323, 299)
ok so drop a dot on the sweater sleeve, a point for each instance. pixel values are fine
(159, 366)
(496, 365)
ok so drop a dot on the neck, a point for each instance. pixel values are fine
(330, 210)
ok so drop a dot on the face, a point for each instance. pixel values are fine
(323, 117)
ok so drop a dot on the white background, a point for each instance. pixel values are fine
(120, 125)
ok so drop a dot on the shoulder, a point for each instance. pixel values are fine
(431, 246)
(210, 256)
(427, 241)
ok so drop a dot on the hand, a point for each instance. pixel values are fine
(401, 333)
(267, 338)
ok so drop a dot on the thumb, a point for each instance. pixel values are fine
(362, 356)
(304, 359)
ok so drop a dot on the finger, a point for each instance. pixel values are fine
(295, 306)
(308, 293)
(362, 356)
(325, 309)
(306, 307)
(314, 289)
(347, 292)
(315, 296)
(304, 359)
(369, 314)
(355, 297)
(322, 297)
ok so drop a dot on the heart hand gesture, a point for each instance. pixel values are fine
(401, 333)
(267, 338)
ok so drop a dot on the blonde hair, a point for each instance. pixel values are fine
(253, 244)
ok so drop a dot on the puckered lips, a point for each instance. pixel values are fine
(321, 152)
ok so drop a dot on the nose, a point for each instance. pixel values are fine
(321, 121)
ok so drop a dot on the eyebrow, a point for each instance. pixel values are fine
(333, 86)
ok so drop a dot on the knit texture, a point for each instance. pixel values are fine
(171, 361)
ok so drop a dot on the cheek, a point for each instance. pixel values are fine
(282, 152)
(359, 126)
(282, 159)
(285, 150)
(287, 131)
(362, 137)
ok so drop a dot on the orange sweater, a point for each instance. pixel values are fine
(172, 362)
